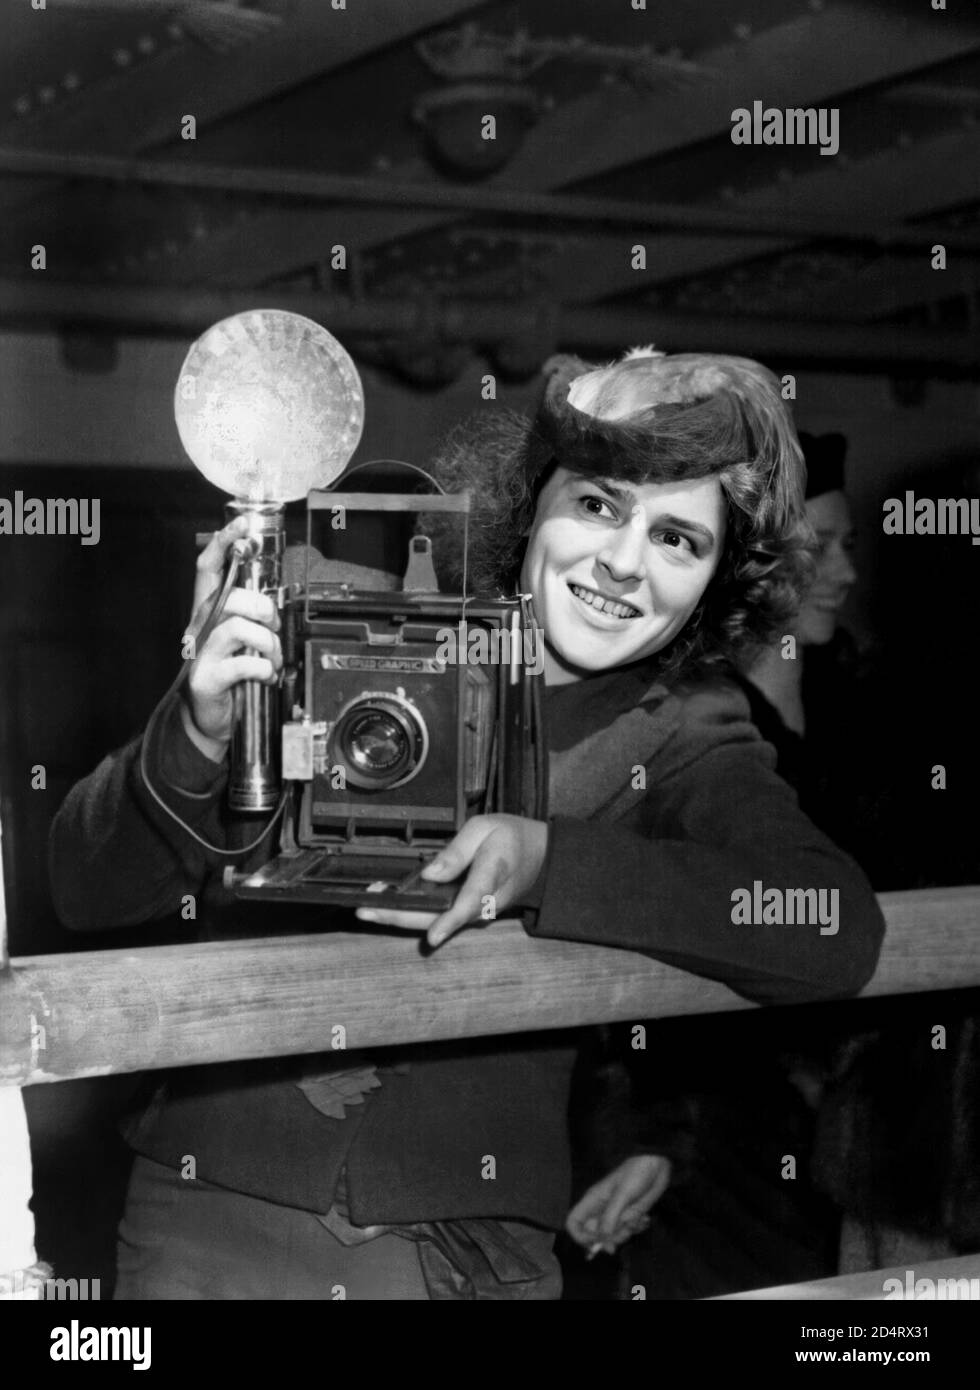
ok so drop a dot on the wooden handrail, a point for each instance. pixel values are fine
(99, 1012)
(946, 1279)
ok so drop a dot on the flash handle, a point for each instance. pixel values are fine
(254, 758)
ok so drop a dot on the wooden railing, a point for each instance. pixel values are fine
(956, 1278)
(95, 1013)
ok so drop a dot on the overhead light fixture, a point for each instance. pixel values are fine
(460, 141)
(486, 74)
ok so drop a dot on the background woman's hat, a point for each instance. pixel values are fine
(824, 454)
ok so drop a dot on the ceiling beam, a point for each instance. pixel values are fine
(879, 290)
(901, 182)
(562, 209)
(187, 313)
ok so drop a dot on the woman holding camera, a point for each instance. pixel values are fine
(654, 512)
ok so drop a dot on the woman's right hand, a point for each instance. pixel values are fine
(248, 625)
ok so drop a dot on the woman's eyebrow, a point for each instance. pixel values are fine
(683, 523)
(621, 494)
(628, 499)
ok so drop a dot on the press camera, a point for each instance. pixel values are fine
(402, 713)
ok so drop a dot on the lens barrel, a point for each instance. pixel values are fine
(380, 741)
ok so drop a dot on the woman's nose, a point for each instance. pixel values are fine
(623, 553)
(842, 571)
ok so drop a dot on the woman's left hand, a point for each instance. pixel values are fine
(617, 1206)
(504, 855)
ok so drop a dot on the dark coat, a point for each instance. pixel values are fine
(647, 867)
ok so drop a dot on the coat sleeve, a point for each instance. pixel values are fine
(715, 819)
(116, 859)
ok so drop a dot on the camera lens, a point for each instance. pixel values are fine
(380, 741)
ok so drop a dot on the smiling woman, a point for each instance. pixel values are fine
(654, 512)
(617, 572)
(671, 483)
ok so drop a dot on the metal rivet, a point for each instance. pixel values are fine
(122, 57)
(22, 105)
(46, 95)
(71, 81)
(146, 43)
(743, 31)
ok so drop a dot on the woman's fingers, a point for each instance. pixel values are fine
(452, 861)
(234, 669)
(479, 847)
(477, 900)
(612, 1216)
(404, 921)
(211, 561)
(469, 906)
(611, 1211)
(249, 603)
(236, 634)
(582, 1221)
(237, 650)
(243, 603)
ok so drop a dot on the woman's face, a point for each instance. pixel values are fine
(830, 517)
(615, 569)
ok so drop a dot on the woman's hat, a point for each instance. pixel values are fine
(650, 414)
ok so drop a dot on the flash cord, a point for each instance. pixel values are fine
(210, 622)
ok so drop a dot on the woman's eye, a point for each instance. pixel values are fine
(676, 540)
(596, 506)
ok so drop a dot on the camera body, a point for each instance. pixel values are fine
(403, 713)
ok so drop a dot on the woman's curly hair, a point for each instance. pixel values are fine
(698, 415)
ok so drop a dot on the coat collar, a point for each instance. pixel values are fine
(629, 715)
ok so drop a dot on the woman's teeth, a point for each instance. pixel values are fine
(604, 605)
